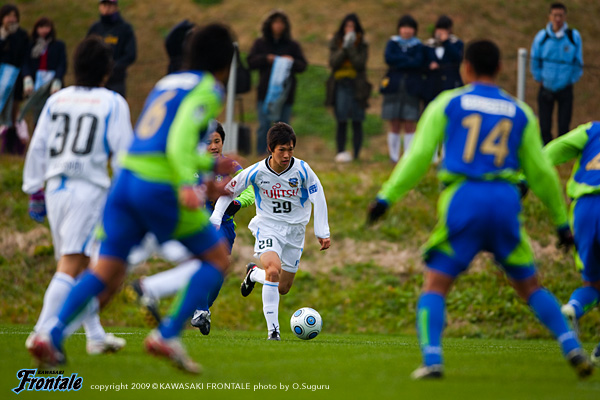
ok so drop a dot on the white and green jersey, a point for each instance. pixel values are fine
(280, 197)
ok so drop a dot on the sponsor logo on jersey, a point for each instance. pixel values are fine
(277, 186)
(294, 182)
(264, 182)
(280, 193)
(313, 189)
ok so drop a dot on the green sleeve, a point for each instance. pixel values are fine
(567, 146)
(196, 111)
(541, 176)
(246, 198)
(414, 165)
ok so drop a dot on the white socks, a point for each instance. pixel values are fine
(270, 296)
(168, 283)
(408, 137)
(59, 288)
(258, 275)
(88, 313)
(91, 324)
(394, 146)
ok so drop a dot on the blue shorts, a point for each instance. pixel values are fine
(586, 229)
(135, 206)
(479, 216)
(228, 232)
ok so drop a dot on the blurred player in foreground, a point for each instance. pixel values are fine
(283, 185)
(154, 193)
(489, 137)
(80, 128)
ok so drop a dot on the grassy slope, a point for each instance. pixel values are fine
(375, 272)
(353, 366)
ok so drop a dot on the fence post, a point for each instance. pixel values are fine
(521, 73)
(231, 127)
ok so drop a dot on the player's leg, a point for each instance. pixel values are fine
(270, 292)
(586, 226)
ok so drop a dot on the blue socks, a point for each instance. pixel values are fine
(205, 281)
(584, 299)
(547, 310)
(431, 312)
(88, 287)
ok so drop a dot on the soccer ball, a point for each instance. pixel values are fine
(306, 323)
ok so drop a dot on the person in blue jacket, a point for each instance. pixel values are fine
(405, 58)
(557, 63)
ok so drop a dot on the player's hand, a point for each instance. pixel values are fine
(325, 243)
(376, 210)
(225, 166)
(37, 206)
(233, 208)
(215, 189)
(188, 198)
(565, 237)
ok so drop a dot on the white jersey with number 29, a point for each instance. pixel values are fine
(78, 129)
(284, 197)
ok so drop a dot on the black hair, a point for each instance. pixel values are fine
(92, 61)
(357, 26)
(558, 5)
(7, 9)
(408, 20)
(43, 21)
(219, 129)
(209, 48)
(484, 56)
(444, 22)
(280, 134)
(266, 30)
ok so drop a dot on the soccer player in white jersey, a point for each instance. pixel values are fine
(80, 128)
(284, 188)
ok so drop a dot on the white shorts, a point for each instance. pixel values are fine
(172, 251)
(287, 240)
(74, 209)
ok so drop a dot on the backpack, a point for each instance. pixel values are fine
(568, 32)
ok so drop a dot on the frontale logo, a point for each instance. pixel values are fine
(30, 382)
(294, 182)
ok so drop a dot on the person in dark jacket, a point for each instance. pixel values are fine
(117, 33)
(405, 57)
(348, 89)
(46, 61)
(276, 40)
(13, 51)
(444, 54)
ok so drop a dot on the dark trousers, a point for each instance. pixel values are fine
(546, 100)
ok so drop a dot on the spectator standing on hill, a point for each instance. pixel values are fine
(347, 88)
(13, 52)
(444, 54)
(276, 41)
(405, 57)
(46, 62)
(557, 63)
(118, 34)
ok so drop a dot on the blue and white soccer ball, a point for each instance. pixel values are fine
(306, 323)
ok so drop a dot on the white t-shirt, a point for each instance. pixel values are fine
(78, 130)
(284, 197)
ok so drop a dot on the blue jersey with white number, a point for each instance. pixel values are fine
(589, 164)
(483, 133)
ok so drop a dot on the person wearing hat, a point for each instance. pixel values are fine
(444, 53)
(119, 35)
(400, 88)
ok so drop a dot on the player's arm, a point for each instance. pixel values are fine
(567, 146)
(243, 200)
(120, 132)
(317, 197)
(541, 176)
(34, 172)
(235, 187)
(414, 165)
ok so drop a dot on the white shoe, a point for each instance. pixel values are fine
(343, 157)
(30, 340)
(172, 349)
(568, 311)
(428, 372)
(110, 344)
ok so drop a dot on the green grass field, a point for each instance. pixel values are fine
(335, 366)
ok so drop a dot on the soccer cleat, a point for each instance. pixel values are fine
(247, 284)
(274, 334)
(568, 311)
(40, 346)
(428, 372)
(149, 304)
(201, 320)
(110, 344)
(581, 363)
(172, 349)
(595, 357)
